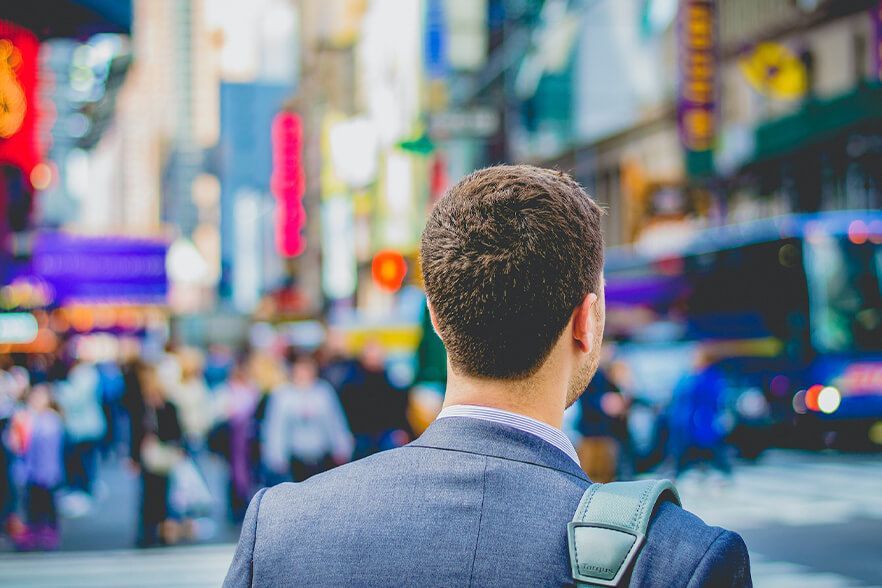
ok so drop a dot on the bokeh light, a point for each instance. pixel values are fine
(811, 397)
(829, 400)
(799, 406)
(858, 232)
(41, 176)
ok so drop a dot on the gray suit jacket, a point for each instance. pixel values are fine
(470, 503)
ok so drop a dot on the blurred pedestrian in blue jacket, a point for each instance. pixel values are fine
(697, 418)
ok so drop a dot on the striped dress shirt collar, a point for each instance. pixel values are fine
(523, 423)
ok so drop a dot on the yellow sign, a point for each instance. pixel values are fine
(774, 70)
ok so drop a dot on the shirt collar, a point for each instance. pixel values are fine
(521, 422)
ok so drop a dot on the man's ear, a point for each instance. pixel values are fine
(432, 318)
(584, 323)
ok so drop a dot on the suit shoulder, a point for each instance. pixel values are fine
(684, 547)
(725, 563)
(340, 478)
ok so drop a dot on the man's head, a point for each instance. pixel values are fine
(512, 259)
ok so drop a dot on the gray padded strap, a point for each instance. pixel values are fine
(609, 528)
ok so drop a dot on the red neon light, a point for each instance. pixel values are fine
(388, 270)
(19, 144)
(288, 183)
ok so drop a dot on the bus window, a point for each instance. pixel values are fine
(748, 292)
(845, 294)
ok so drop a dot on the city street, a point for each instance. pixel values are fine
(808, 519)
(278, 235)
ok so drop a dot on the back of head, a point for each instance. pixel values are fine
(507, 254)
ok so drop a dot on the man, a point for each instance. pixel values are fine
(512, 258)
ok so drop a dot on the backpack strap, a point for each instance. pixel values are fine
(609, 528)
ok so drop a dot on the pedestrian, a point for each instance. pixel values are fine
(157, 442)
(238, 399)
(112, 387)
(11, 390)
(84, 423)
(38, 438)
(305, 432)
(268, 373)
(698, 421)
(338, 367)
(218, 365)
(376, 409)
(512, 260)
(598, 450)
(192, 399)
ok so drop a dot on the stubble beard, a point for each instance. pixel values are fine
(586, 371)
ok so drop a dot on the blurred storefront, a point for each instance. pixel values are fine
(61, 67)
(678, 114)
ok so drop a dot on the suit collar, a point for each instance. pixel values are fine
(496, 440)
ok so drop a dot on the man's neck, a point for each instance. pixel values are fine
(537, 397)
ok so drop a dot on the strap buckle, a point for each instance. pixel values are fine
(601, 542)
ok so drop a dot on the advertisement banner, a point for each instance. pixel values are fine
(696, 100)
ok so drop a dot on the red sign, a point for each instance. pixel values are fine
(288, 183)
(18, 98)
(388, 270)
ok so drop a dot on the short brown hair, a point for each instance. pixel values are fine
(507, 254)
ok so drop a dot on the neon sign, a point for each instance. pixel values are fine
(18, 86)
(696, 108)
(288, 183)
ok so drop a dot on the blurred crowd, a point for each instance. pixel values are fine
(272, 416)
(619, 433)
(276, 415)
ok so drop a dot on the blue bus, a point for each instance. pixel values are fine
(790, 310)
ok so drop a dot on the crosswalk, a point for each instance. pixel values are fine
(788, 489)
(179, 567)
